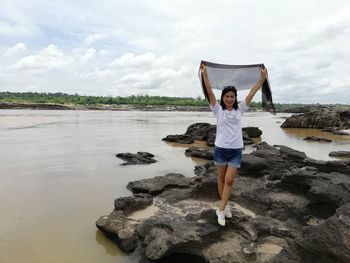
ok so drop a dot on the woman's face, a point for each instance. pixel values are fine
(229, 99)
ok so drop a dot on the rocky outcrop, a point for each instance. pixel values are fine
(286, 208)
(340, 154)
(316, 139)
(207, 132)
(322, 118)
(197, 131)
(138, 158)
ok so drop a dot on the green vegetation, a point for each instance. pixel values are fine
(62, 98)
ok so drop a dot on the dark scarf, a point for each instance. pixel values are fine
(241, 76)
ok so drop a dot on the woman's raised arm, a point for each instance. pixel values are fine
(256, 86)
(212, 99)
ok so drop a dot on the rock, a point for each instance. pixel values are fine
(291, 153)
(320, 118)
(200, 131)
(113, 225)
(342, 166)
(286, 208)
(183, 138)
(207, 132)
(139, 158)
(159, 184)
(340, 153)
(252, 132)
(133, 203)
(330, 239)
(328, 189)
(253, 165)
(200, 153)
(247, 140)
(316, 139)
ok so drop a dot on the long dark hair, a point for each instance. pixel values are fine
(224, 91)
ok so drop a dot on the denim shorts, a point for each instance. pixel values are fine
(229, 157)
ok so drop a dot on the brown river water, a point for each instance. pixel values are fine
(59, 173)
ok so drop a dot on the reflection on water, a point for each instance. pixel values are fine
(59, 173)
(109, 246)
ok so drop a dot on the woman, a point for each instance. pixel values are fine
(229, 139)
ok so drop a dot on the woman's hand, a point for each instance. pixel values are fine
(263, 73)
(257, 86)
(203, 68)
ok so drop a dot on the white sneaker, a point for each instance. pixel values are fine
(221, 217)
(228, 213)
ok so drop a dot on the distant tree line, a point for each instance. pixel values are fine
(62, 98)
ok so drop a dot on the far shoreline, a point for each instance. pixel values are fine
(113, 107)
(142, 107)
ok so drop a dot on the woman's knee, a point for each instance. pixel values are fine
(221, 178)
(229, 181)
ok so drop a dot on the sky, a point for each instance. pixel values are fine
(154, 47)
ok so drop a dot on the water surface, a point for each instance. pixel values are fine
(59, 173)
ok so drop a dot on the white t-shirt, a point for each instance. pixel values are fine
(229, 126)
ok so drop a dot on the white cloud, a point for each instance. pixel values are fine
(154, 47)
(50, 57)
(91, 39)
(132, 60)
(18, 49)
(88, 55)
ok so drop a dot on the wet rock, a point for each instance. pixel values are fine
(316, 139)
(114, 225)
(138, 158)
(340, 153)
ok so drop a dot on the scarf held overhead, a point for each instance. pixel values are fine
(241, 76)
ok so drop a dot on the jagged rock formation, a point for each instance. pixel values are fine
(207, 132)
(286, 208)
(330, 118)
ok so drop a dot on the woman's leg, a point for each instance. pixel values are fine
(227, 189)
(221, 178)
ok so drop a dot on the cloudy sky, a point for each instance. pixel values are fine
(121, 48)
